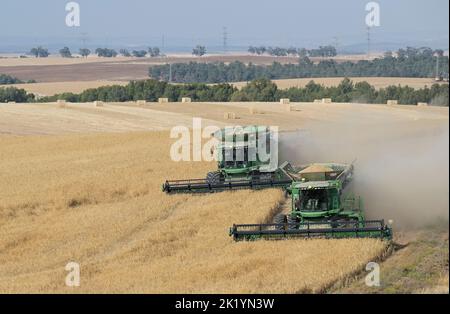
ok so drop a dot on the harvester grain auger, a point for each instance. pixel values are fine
(240, 164)
(322, 206)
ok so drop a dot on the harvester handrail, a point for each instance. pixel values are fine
(186, 180)
(381, 222)
(201, 185)
(371, 228)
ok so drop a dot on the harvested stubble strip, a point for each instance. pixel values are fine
(253, 110)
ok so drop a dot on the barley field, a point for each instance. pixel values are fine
(377, 82)
(96, 199)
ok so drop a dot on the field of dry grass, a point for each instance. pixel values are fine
(14, 60)
(93, 68)
(377, 82)
(96, 200)
(77, 185)
(28, 119)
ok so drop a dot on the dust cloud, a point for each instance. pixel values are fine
(401, 167)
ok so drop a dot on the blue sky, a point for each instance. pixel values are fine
(184, 22)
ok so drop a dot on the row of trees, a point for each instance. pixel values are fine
(106, 52)
(259, 90)
(322, 51)
(346, 91)
(15, 94)
(8, 79)
(39, 52)
(199, 51)
(152, 52)
(150, 90)
(413, 64)
(111, 53)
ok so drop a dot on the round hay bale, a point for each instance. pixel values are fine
(392, 102)
(61, 103)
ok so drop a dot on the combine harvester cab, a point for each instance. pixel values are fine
(240, 165)
(322, 206)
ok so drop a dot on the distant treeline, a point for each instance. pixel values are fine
(15, 94)
(322, 51)
(410, 62)
(257, 90)
(150, 90)
(8, 79)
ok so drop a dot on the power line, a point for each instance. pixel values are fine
(336, 42)
(225, 40)
(163, 42)
(84, 39)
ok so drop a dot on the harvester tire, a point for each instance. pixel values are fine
(279, 219)
(291, 220)
(213, 178)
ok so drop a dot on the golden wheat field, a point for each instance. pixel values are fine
(95, 199)
(377, 82)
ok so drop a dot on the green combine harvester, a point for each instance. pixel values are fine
(322, 206)
(240, 164)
